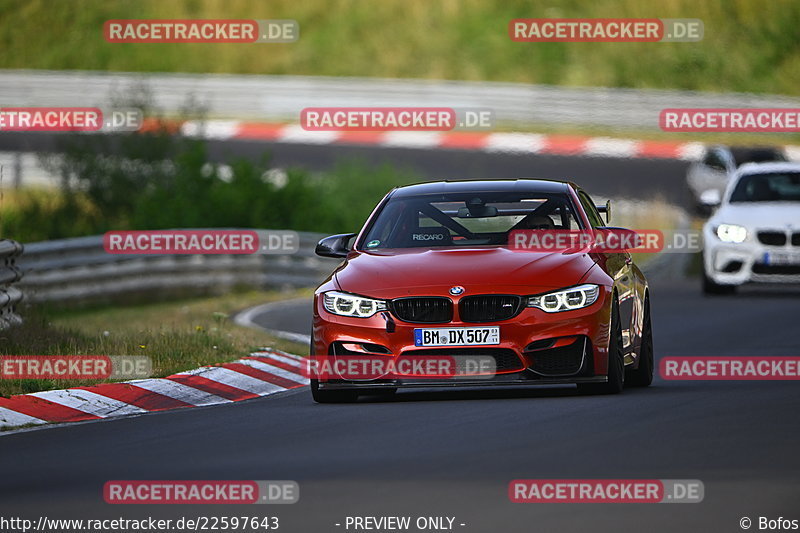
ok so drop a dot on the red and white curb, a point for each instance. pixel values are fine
(522, 143)
(260, 374)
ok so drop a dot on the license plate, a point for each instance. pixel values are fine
(781, 258)
(456, 336)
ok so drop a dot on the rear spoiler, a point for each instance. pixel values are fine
(605, 209)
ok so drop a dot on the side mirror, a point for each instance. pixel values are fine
(711, 198)
(334, 246)
(605, 209)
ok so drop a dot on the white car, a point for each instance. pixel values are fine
(754, 236)
(708, 177)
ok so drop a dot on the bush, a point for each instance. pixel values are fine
(158, 179)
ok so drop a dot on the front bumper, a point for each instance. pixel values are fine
(748, 262)
(519, 381)
(536, 347)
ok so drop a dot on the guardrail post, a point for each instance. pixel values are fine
(9, 274)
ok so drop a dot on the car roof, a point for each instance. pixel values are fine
(484, 185)
(751, 154)
(756, 154)
(766, 168)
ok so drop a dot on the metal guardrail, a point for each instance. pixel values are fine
(281, 98)
(9, 274)
(80, 270)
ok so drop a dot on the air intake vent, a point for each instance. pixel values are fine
(772, 238)
(424, 310)
(489, 307)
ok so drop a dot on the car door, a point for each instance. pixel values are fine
(619, 267)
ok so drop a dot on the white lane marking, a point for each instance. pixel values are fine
(280, 353)
(259, 365)
(294, 133)
(235, 379)
(691, 151)
(412, 139)
(290, 355)
(287, 360)
(793, 152)
(89, 402)
(515, 142)
(606, 146)
(179, 391)
(245, 318)
(9, 418)
(213, 129)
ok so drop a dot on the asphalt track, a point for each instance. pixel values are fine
(453, 453)
(608, 176)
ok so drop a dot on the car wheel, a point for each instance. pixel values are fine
(331, 396)
(616, 361)
(710, 287)
(643, 376)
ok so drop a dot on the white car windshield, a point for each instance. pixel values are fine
(767, 187)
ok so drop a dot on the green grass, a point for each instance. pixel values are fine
(749, 45)
(176, 336)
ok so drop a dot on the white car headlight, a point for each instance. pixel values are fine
(342, 303)
(731, 233)
(566, 299)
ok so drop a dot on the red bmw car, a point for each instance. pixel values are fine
(433, 277)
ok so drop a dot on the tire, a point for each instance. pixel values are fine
(643, 375)
(616, 361)
(710, 287)
(331, 396)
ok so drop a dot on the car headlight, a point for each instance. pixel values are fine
(341, 303)
(731, 233)
(566, 299)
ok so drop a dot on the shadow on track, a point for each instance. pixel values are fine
(429, 395)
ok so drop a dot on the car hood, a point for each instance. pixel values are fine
(395, 273)
(759, 214)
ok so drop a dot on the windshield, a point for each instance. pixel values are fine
(773, 187)
(467, 219)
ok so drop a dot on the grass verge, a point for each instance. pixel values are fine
(748, 45)
(176, 336)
